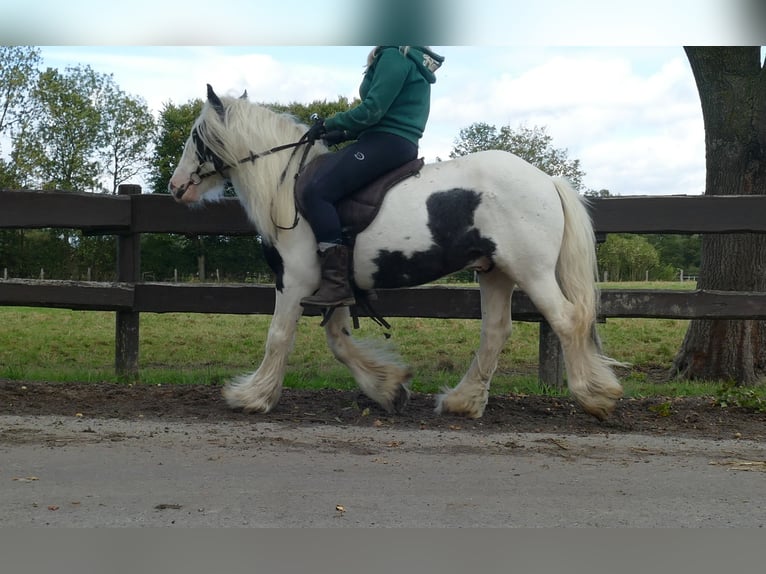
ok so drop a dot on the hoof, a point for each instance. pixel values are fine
(401, 399)
(449, 404)
(602, 409)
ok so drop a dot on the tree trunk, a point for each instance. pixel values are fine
(732, 86)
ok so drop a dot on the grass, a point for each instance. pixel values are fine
(62, 345)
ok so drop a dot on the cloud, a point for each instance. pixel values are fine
(634, 124)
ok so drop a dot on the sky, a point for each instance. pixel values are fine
(610, 85)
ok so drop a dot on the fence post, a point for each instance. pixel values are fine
(127, 322)
(551, 368)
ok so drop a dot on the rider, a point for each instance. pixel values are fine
(387, 125)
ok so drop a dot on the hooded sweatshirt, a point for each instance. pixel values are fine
(395, 94)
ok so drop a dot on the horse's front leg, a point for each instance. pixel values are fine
(380, 374)
(260, 391)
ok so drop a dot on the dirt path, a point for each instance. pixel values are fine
(697, 417)
(110, 455)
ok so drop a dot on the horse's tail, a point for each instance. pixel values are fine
(577, 268)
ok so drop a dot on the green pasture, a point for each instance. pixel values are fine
(61, 345)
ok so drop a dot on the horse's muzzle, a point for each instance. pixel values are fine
(177, 192)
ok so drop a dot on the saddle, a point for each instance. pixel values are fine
(357, 211)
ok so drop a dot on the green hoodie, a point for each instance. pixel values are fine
(395, 94)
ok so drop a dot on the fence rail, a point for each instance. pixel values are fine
(130, 213)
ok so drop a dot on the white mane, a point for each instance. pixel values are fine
(246, 128)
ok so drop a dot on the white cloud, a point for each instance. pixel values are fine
(636, 128)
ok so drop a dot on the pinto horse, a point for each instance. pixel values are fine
(490, 211)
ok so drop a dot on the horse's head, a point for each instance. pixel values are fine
(201, 169)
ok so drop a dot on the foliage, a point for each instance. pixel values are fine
(675, 253)
(59, 253)
(732, 395)
(678, 251)
(625, 257)
(531, 144)
(163, 256)
(18, 72)
(8, 175)
(322, 108)
(62, 134)
(129, 128)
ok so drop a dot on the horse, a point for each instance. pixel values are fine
(490, 211)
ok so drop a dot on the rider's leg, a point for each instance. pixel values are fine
(350, 169)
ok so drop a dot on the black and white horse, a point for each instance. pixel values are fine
(490, 211)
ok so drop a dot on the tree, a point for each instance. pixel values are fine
(128, 127)
(531, 144)
(680, 252)
(18, 72)
(57, 142)
(731, 82)
(626, 257)
(322, 108)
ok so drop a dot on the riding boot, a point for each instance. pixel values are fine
(334, 289)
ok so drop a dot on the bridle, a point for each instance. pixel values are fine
(205, 155)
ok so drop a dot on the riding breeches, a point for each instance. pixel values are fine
(346, 171)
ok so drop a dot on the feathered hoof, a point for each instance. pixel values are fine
(237, 399)
(602, 407)
(451, 404)
(401, 399)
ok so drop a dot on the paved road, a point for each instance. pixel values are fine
(61, 471)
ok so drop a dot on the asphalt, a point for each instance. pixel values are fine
(80, 472)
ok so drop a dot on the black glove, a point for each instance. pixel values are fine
(335, 137)
(315, 132)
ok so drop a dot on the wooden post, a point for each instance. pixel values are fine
(551, 368)
(127, 322)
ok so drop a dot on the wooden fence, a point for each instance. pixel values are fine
(130, 213)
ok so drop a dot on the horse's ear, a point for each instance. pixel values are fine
(215, 101)
(243, 96)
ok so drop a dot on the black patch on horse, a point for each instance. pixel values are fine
(274, 260)
(456, 243)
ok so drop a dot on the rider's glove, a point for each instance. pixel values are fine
(335, 137)
(315, 132)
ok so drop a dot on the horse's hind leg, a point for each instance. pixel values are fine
(379, 374)
(470, 396)
(261, 390)
(589, 374)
